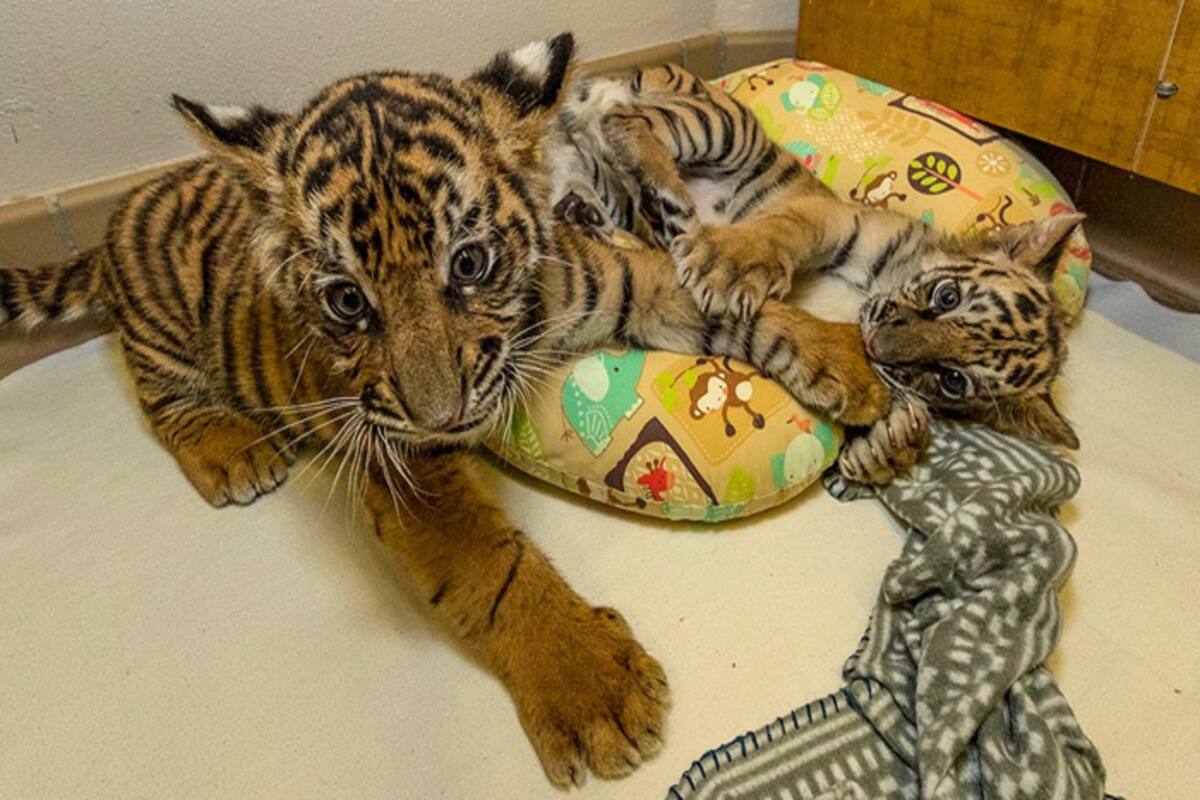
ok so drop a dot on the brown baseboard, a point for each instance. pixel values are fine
(58, 225)
(19, 347)
(708, 55)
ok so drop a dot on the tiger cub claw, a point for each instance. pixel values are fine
(723, 279)
(890, 447)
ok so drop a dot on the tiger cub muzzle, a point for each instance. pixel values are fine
(444, 393)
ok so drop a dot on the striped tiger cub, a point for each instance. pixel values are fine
(378, 277)
(967, 327)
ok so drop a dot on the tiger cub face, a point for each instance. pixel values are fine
(400, 217)
(973, 329)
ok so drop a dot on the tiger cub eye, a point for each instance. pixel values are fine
(945, 296)
(470, 264)
(955, 384)
(345, 302)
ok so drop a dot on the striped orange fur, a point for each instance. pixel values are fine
(377, 276)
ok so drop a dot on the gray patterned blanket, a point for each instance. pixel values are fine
(946, 695)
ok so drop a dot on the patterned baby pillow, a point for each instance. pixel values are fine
(645, 431)
(880, 147)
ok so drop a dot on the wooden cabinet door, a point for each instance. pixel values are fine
(1077, 73)
(1171, 150)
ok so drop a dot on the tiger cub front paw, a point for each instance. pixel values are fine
(231, 460)
(592, 698)
(831, 373)
(890, 447)
(727, 274)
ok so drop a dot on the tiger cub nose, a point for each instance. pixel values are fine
(442, 419)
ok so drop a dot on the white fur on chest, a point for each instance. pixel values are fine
(828, 297)
(707, 194)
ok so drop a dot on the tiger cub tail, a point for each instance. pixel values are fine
(56, 292)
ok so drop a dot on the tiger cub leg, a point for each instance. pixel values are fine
(227, 455)
(822, 364)
(733, 268)
(636, 150)
(783, 220)
(587, 694)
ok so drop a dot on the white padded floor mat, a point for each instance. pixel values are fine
(153, 647)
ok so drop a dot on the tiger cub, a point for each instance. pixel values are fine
(377, 276)
(966, 327)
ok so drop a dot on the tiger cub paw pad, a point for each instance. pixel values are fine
(578, 212)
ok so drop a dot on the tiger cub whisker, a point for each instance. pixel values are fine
(300, 422)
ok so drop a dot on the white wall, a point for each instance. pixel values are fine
(84, 83)
(755, 15)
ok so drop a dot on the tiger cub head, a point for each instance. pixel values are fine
(399, 219)
(975, 331)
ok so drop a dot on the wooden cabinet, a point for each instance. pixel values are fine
(1081, 74)
(1171, 150)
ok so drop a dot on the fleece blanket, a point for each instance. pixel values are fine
(946, 695)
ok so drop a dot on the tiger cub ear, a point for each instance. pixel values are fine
(238, 137)
(532, 77)
(1033, 416)
(236, 133)
(1038, 245)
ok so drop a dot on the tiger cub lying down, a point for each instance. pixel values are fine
(378, 275)
(964, 327)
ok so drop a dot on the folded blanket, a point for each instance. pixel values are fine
(946, 695)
